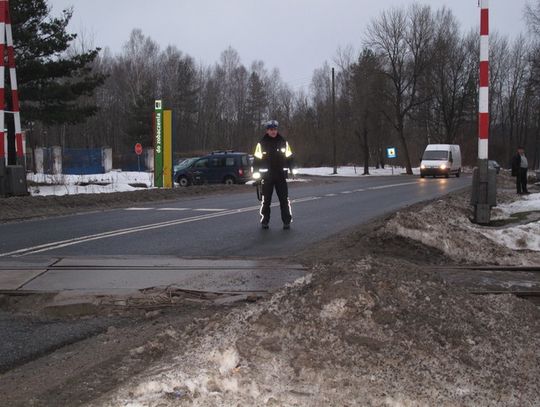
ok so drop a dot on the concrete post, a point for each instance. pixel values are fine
(149, 159)
(57, 160)
(482, 209)
(106, 159)
(39, 158)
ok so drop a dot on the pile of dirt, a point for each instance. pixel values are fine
(371, 325)
(374, 334)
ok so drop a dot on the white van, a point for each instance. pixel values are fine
(441, 159)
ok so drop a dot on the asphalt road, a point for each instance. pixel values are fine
(225, 225)
(25, 338)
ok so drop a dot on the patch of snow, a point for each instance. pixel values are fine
(351, 171)
(526, 203)
(334, 309)
(227, 360)
(119, 181)
(521, 237)
(64, 184)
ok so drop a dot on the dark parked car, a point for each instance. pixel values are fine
(228, 167)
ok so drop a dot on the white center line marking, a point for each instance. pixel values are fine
(392, 185)
(138, 209)
(310, 198)
(173, 209)
(209, 210)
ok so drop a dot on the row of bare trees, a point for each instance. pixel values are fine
(414, 82)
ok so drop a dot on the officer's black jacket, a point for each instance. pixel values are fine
(273, 154)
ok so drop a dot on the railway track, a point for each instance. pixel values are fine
(520, 281)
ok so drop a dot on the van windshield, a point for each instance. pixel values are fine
(435, 155)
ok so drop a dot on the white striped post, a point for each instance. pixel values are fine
(3, 149)
(483, 108)
(6, 44)
(3, 136)
(484, 181)
(19, 142)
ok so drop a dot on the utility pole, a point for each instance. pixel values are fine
(484, 191)
(334, 149)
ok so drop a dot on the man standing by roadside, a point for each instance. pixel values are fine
(273, 158)
(519, 170)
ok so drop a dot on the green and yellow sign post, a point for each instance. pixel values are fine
(167, 149)
(163, 163)
(158, 144)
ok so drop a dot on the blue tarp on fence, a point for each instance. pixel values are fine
(78, 161)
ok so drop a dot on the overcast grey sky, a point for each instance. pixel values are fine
(296, 36)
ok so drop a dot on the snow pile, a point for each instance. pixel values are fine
(525, 203)
(63, 184)
(373, 333)
(522, 237)
(446, 225)
(518, 237)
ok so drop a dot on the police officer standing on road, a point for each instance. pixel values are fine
(273, 160)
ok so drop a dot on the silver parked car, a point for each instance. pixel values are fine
(494, 164)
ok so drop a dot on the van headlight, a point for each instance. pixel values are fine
(442, 166)
(294, 171)
(256, 175)
(422, 167)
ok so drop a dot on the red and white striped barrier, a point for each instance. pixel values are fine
(6, 43)
(483, 108)
(3, 148)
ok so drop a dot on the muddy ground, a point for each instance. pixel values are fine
(374, 324)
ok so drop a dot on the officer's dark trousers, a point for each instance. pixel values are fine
(280, 184)
(521, 180)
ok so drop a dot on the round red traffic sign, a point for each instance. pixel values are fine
(138, 149)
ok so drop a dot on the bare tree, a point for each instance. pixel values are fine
(532, 16)
(367, 86)
(404, 39)
(451, 82)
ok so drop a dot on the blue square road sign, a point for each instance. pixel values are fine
(391, 152)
